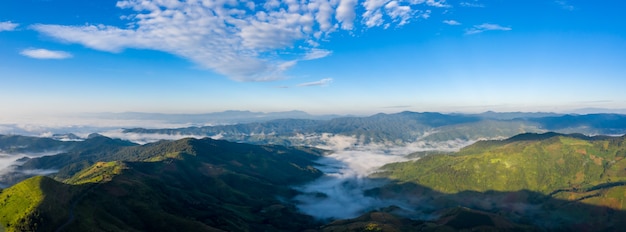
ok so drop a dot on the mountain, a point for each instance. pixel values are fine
(35, 203)
(588, 123)
(72, 156)
(62, 157)
(403, 128)
(189, 184)
(530, 181)
(549, 180)
(515, 115)
(27, 144)
(396, 129)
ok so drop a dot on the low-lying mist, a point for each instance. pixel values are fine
(142, 138)
(340, 192)
(11, 174)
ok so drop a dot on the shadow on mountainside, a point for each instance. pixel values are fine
(595, 209)
(212, 185)
(182, 195)
(176, 195)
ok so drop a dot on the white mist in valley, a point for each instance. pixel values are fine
(10, 162)
(144, 138)
(340, 192)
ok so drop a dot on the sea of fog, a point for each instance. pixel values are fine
(340, 192)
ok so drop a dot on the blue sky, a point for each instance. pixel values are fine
(337, 56)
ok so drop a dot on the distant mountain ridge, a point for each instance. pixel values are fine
(405, 127)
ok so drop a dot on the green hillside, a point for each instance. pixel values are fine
(36, 204)
(103, 149)
(184, 185)
(544, 165)
(543, 179)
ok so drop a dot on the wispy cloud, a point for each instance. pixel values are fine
(316, 54)
(243, 40)
(397, 107)
(451, 22)
(472, 4)
(486, 27)
(8, 26)
(40, 53)
(322, 82)
(565, 5)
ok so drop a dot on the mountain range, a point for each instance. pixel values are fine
(544, 180)
(404, 128)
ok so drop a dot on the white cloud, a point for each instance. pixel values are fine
(239, 39)
(45, 54)
(441, 3)
(8, 26)
(398, 13)
(451, 22)
(322, 82)
(373, 16)
(486, 27)
(346, 14)
(471, 4)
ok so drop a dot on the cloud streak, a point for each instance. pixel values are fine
(317, 54)
(322, 82)
(486, 27)
(451, 22)
(244, 40)
(39, 53)
(8, 26)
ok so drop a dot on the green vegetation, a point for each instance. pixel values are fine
(545, 164)
(184, 185)
(99, 172)
(483, 129)
(529, 181)
(551, 181)
(17, 203)
(36, 204)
